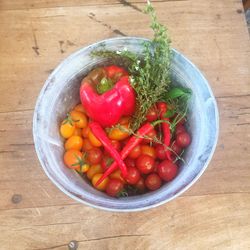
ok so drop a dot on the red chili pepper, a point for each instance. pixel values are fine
(115, 101)
(132, 143)
(101, 136)
(162, 107)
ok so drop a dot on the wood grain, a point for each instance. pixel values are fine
(35, 37)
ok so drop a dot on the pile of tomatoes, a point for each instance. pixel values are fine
(147, 165)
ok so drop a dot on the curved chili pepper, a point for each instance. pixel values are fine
(162, 107)
(109, 107)
(132, 143)
(102, 137)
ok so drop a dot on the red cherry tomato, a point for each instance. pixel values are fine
(140, 185)
(153, 181)
(148, 150)
(133, 175)
(183, 139)
(180, 129)
(116, 144)
(150, 136)
(167, 170)
(160, 151)
(106, 162)
(114, 187)
(145, 164)
(136, 151)
(94, 156)
(176, 148)
(152, 114)
(129, 162)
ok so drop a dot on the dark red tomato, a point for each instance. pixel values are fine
(183, 139)
(167, 170)
(160, 152)
(116, 144)
(133, 176)
(176, 148)
(156, 166)
(182, 121)
(140, 185)
(114, 187)
(153, 181)
(94, 156)
(150, 136)
(152, 114)
(129, 162)
(145, 164)
(180, 129)
(135, 152)
(106, 162)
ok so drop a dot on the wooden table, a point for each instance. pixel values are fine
(35, 36)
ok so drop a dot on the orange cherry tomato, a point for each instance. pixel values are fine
(94, 169)
(79, 107)
(79, 118)
(102, 186)
(78, 131)
(119, 134)
(86, 145)
(67, 128)
(73, 158)
(148, 150)
(85, 132)
(117, 175)
(135, 152)
(83, 169)
(93, 140)
(74, 142)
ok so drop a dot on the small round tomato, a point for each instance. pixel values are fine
(114, 187)
(106, 162)
(140, 185)
(85, 132)
(73, 158)
(179, 129)
(145, 164)
(78, 131)
(133, 175)
(83, 169)
(167, 170)
(117, 175)
(79, 107)
(160, 151)
(183, 139)
(119, 134)
(135, 152)
(150, 136)
(177, 149)
(152, 114)
(93, 140)
(94, 169)
(86, 145)
(67, 128)
(129, 162)
(116, 144)
(182, 121)
(148, 150)
(94, 156)
(74, 142)
(102, 186)
(79, 118)
(153, 181)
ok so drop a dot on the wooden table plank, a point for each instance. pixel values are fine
(35, 37)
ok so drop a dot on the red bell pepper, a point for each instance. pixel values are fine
(107, 108)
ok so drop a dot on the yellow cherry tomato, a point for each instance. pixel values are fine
(79, 108)
(83, 169)
(78, 131)
(102, 186)
(73, 158)
(93, 140)
(94, 169)
(117, 175)
(119, 134)
(79, 118)
(74, 142)
(67, 128)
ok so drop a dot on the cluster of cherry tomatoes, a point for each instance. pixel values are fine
(147, 165)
